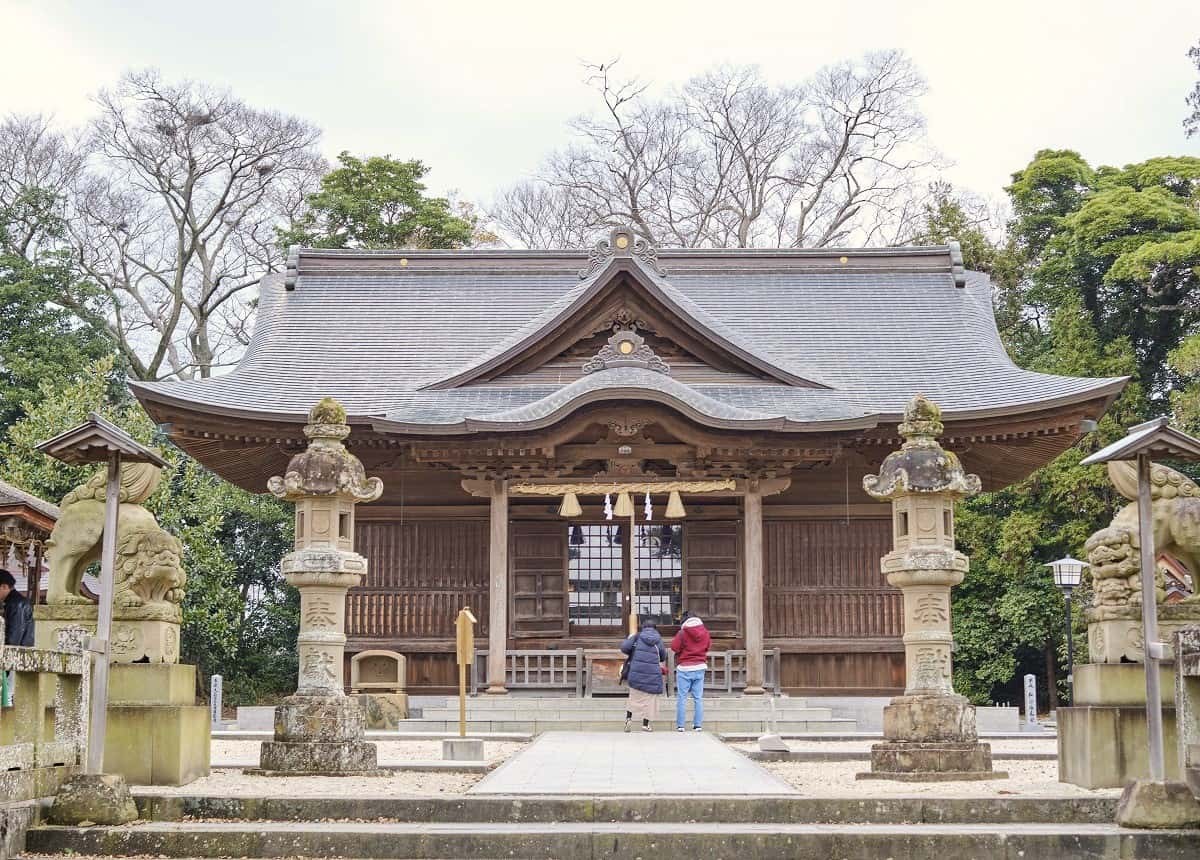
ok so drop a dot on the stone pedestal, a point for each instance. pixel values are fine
(929, 731)
(156, 734)
(317, 735)
(140, 634)
(1102, 740)
(320, 730)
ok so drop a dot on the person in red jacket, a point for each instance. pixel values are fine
(690, 645)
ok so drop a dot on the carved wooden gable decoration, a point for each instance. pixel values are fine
(623, 299)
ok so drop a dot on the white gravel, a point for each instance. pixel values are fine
(836, 779)
(245, 753)
(235, 783)
(999, 745)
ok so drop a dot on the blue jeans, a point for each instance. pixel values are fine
(689, 683)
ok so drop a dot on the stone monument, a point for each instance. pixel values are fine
(378, 678)
(1102, 740)
(156, 733)
(319, 730)
(929, 732)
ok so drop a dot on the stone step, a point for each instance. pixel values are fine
(160, 805)
(588, 703)
(500, 715)
(624, 839)
(616, 723)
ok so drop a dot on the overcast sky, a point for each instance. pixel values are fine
(481, 90)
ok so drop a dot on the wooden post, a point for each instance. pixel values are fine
(498, 590)
(1150, 621)
(464, 626)
(753, 567)
(100, 643)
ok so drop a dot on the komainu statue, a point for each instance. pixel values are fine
(147, 570)
(1114, 625)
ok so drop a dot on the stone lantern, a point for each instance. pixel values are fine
(320, 729)
(929, 730)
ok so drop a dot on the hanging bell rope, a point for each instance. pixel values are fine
(675, 509)
(570, 506)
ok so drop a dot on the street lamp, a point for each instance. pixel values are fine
(1067, 574)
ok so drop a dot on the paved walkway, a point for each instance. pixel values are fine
(637, 763)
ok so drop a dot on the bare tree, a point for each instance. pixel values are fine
(731, 160)
(37, 168)
(175, 218)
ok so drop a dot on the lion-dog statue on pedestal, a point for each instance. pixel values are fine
(147, 570)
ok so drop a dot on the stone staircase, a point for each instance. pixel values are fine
(536, 714)
(754, 828)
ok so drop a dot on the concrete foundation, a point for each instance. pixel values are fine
(1102, 740)
(1158, 805)
(462, 749)
(156, 733)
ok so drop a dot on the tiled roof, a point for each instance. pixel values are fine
(375, 332)
(10, 495)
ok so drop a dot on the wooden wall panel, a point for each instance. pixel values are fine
(419, 574)
(822, 579)
(711, 578)
(537, 560)
(859, 673)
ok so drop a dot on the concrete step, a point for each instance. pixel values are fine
(500, 715)
(660, 840)
(616, 723)
(158, 804)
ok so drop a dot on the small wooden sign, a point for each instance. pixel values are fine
(465, 626)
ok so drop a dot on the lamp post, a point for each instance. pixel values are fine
(1067, 574)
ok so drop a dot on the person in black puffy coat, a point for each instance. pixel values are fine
(646, 659)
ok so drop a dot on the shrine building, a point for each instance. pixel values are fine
(503, 395)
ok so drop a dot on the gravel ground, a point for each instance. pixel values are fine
(836, 779)
(226, 753)
(234, 783)
(999, 745)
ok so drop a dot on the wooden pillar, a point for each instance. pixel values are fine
(752, 565)
(498, 589)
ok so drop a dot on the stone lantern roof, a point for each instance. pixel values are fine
(325, 467)
(921, 465)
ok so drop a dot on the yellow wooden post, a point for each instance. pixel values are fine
(465, 627)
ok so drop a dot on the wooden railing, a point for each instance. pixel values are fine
(567, 670)
(26, 741)
(535, 670)
(726, 671)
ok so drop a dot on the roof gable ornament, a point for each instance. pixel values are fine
(622, 243)
(626, 348)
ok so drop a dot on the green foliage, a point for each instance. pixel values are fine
(1007, 608)
(378, 202)
(38, 338)
(239, 619)
(1124, 241)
